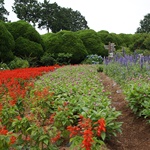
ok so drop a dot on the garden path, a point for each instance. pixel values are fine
(135, 131)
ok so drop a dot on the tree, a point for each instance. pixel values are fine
(56, 18)
(3, 11)
(27, 10)
(48, 13)
(144, 25)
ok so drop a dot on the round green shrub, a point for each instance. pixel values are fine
(27, 48)
(66, 42)
(92, 42)
(7, 44)
(48, 59)
(18, 63)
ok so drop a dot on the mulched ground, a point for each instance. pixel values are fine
(135, 131)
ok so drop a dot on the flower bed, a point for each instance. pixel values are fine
(68, 106)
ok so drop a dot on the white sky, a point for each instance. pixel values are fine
(117, 16)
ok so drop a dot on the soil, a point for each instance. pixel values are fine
(135, 131)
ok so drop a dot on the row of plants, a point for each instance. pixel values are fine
(66, 107)
(14, 87)
(133, 74)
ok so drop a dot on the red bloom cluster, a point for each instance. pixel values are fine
(85, 129)
(51, 119)
(13, 83)
(73, 130)
(87, 139)
(56, 138)
(12, 140)
(101, 126)
(3, 131)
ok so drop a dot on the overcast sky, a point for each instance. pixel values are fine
(117, 16)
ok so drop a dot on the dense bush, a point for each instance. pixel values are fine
(18, 63)
(92, 42)
(7, 44)
(28, 42)
(65, 42)
(25, 47)
(24, 29)
(138, 95)
(3, 66)
(48, 59)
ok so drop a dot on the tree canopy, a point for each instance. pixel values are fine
(27, 10)
(49, 15)
(144, 25)
(3, 11)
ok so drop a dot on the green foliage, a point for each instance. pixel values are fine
(48, 59)
(56, 18)
(27, 10)
(18, 63)
(65, 42)
(3, 11)
(78, 91)
(144, 25)
(25, 47)
(100, 68)
(64, 58)
(92, 42)
(3, 66)
(133, 76)
(138, 95)
(7, 44)
(24, 29)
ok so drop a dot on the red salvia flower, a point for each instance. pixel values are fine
(3, 131)
(19, 117)
(73, 130)
(12, 139)
(12, 102)
(51, 119)
(1, 107)
(56, 138)
(101, 126)
(87, 139)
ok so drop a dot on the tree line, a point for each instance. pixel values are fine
(54, 18)
(46, 15)
(21, 45)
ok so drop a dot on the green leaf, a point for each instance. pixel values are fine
(103, 135)
(43, 137)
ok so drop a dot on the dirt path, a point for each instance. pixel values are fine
(135, 131)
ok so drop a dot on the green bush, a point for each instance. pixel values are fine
(18, 63)
(92, 42)
(24, 29)
(48, 59)
(3, 66)
(100, 69)
(64, 58)
(27, 48)
(7, 44)
(65, 42)
(138, 94)
(29, 44)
